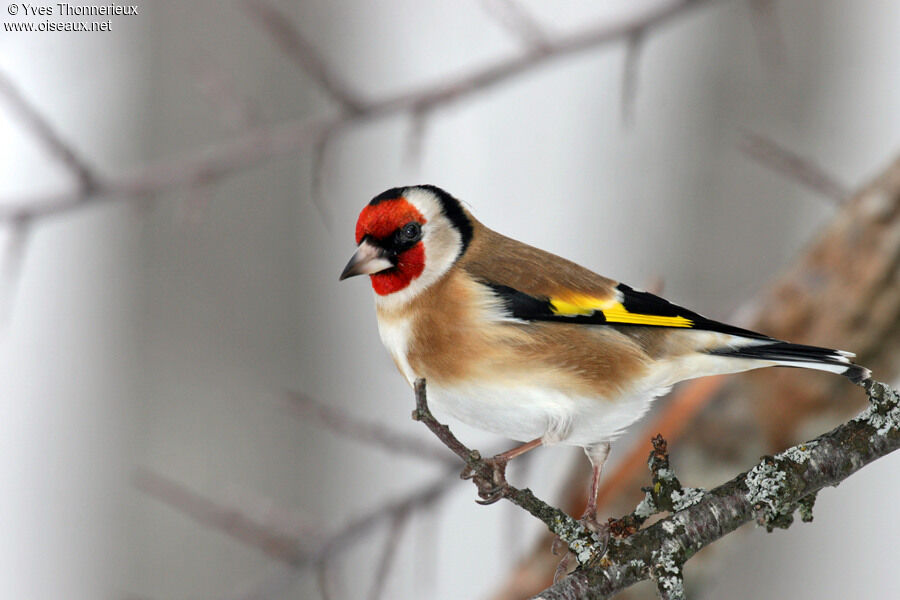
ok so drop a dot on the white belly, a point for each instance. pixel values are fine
(526, 412)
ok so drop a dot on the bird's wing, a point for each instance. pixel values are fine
(534, 285)
(626, 306)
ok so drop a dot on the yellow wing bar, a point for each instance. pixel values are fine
(579, 304)
(613, 312)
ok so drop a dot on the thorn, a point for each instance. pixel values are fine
(515, 19)
(320, 155)
(630, 71)
(19, 232)
(764, 18)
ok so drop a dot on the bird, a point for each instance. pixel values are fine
(528, 345)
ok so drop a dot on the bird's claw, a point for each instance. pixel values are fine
(492, 485)
(600, 530)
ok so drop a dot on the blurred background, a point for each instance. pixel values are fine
(177, 276)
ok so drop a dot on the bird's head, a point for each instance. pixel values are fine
(408, 238)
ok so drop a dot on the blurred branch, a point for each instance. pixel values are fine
(202, 168)
(388, 553)
(516, 20)
(311, 549)
(230, 520)
(45, 133)
(841, 290)
(11, 260)
(793, 166)
(303, 53)
(217, 86)
(320, 154)
(366, 431)
(769, 493)
(258, 145)
(325, 579)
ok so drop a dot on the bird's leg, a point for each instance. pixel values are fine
(492, 489)
(519, 450)
(597, 454)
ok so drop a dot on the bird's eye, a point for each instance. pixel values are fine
(411, 231)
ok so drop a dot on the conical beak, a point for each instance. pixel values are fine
(368, 259)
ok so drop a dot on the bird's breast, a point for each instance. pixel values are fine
(395, 332)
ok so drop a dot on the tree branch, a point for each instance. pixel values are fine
(260, 144)
(44, 131)
(302, 52)
(769, 493)
(312, 549)
(517, 21)
(793, 166)
(366, 431)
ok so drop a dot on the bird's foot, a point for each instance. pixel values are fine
(488, 475)
(600, 530)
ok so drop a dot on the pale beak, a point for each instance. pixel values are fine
(368, 259)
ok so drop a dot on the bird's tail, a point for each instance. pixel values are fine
(799, 355)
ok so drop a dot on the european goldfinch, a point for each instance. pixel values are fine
(523, 343)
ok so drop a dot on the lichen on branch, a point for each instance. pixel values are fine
(770, 493)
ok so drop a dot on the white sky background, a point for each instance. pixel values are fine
(164, 336)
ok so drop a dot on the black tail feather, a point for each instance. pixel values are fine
(799, 355)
